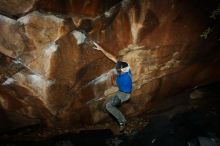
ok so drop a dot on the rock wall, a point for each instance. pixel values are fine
(50, 73)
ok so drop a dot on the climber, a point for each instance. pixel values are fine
(124, 82)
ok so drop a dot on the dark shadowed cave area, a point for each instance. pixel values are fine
(54, 85)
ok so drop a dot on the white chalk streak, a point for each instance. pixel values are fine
(80, 37)
(39, 81)
(51, 48)
(8, 81)
(107, 14)
(7, 20)
(36, 79)
(17, 62)
(25, 19)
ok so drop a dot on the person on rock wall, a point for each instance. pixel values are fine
(124, 83)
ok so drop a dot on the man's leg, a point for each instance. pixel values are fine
(111, 107)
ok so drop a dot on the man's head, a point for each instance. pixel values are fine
(120, 65)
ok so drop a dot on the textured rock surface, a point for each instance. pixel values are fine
(49, 70)
(11, 41)
(14, 8)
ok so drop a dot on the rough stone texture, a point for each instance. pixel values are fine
(11, 42)
(77, 8)
(41, 32)
(52, 72)
(14, 8)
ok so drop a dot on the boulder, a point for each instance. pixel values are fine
(58, 67)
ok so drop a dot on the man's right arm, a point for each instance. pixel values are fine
(110, 56)
(107, 54)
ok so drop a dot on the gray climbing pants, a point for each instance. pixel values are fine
(114, 102)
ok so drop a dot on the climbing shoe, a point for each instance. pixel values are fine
(121, 127)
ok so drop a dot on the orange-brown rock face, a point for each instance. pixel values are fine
(15, 8)
(50, 72)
